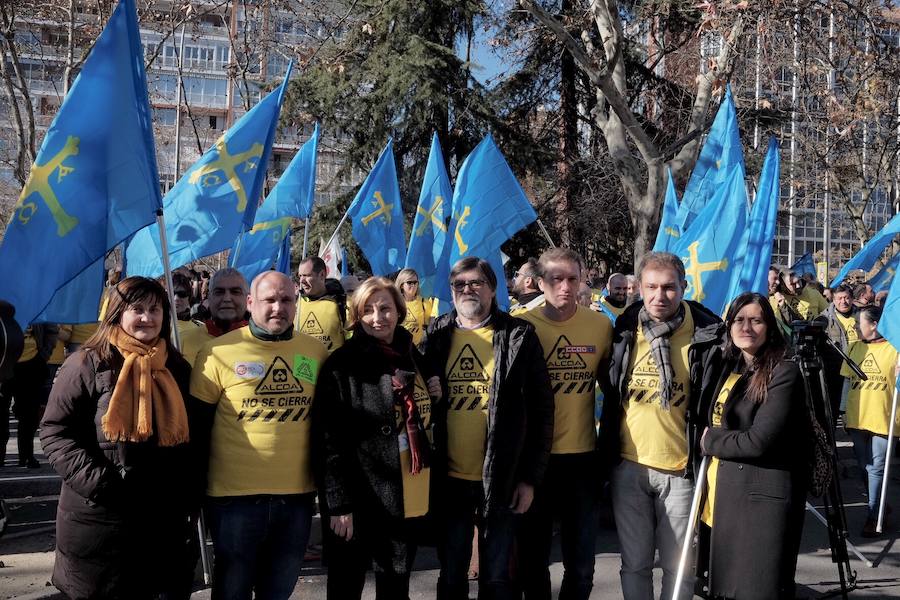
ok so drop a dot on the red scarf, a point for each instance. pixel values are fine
(403, 383)
(215, 331)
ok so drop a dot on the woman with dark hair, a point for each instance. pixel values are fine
(868, 411)
(758, 437)
(116, 431)
(372, 423)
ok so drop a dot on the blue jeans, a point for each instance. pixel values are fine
(651, 509)
(570, 490)
(464, 508)
(870, 450)
(259, 544)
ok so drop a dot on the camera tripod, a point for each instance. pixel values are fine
(808, 358)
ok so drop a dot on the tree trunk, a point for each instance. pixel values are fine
(568, 140)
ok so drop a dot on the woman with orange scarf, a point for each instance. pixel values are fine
(116, 431)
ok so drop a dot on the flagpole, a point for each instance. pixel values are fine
(689, 532)
(546, 235)
(232, 260)
(305, 237)
(338, 228)
(887, 459)
(164, 246)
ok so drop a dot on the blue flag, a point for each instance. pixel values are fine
(805, 265)
(260, 247)
(283, 264)
(869, 254)
(378, 217)
(295, 193)
(711, 249)
(889, 325)
(94, 181)
(345, 270)
(758, 254)
(883, 279)
(79, 300)
(216, 198)
(428, 253)
(721, 151)
(669, 232)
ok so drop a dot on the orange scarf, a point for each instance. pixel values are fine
(144, 387)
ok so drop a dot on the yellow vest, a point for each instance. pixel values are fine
(869, 402)
(263, 392)
(469, 370)
(574, 350)
(651, 436)
(418, 315)
(321, 320)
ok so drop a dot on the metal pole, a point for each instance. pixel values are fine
(178, 99)
(887, 461)
(232, 260)
(546, 234)
(689, 533)
(758, 91)
(305, 237)
(164, 246)
(826, 224)
(338, 228)
(792, 217)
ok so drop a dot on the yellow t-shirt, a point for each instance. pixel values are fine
(710, 499)
(573, 350)
(192, 340)
(613, 309)
(810, 303)
(320, 319)
(652, 436)
(264, 393)
(415, 487)
(849, 325)
(869, 402)
(29, 349)
(470, 369)
(418, 315)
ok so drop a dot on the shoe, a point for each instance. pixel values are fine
(868, 530)
(31, 463)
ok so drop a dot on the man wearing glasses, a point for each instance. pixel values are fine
(493, 430)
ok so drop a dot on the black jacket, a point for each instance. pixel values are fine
(357, 458)
(703, 361)
(122, 519)
(520, 408)
(763, 449)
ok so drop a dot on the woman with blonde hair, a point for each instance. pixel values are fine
(116, 431)
(418, 309)
(372, 424)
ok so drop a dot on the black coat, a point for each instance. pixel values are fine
(703, 364)
(760, 487)
(122, 526)
(520, 408)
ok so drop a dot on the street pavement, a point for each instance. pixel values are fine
(26, 548)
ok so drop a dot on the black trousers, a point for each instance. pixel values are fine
(27, 389)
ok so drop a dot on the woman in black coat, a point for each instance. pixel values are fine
(759, 440)
(373, 412)
(116, 431)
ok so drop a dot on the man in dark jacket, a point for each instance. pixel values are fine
(492, 430)
(660, 379)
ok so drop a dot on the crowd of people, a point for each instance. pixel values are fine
(473, 431)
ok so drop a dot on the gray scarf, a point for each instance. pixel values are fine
(659, 335)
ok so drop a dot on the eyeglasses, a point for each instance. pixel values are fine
(182, 293)
(475, 284)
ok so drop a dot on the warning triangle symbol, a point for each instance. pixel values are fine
(561, 358)
(869, 365)
(311, 325)
(279, 380)
(466, 367)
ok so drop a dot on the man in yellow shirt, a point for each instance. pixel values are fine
(661, 372)
(492, 430)
(841, 318)
(227, 308)
(256, 386)
(615, 301)
(576, 342)
(321, 314)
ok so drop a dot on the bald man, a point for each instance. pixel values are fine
(614, 303)
(258, 384)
